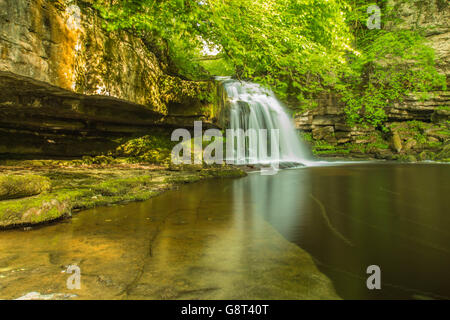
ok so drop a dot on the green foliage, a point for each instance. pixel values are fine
(297, 47)
(392, 64)
(217, 67)
(151, 148)
(306, 136)
(287, 44)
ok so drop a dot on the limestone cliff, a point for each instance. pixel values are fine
(418, 129)
(433, 18)
(69, 87)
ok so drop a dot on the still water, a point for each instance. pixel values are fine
(246, 238)
(396, 216)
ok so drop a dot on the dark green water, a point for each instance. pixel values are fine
(396, 216)
(216, 239)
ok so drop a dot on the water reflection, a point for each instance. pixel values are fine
(226, 239)
(350, 217)
(198, 242)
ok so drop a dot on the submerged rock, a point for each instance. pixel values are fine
(51, 296)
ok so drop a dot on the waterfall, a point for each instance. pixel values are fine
(251, 106)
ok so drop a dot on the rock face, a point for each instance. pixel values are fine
(40, 119)
(65, 45)
(326, 127)
(414, 127)
(432, 17)
(70, 88)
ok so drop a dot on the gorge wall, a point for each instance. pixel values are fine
(417, 129)
(70, 88)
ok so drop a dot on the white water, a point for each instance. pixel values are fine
(253, 107)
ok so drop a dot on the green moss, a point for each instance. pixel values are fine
(444, 108)
(324, 148)
(152, 149)
(183, 179)
(98, 160)
(80, 186)
(444, 154)
(332, 152)
(377, 145)
(118, 187)
(405, 158)
(434, 144)
(36, 209)
(427, 155)
(19, 186)
(306, 136)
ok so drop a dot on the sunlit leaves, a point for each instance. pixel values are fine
(271, 41)
(297, 47)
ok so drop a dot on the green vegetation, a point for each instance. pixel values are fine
(18, 186)
(217, 66)
(297, 47)
(413, 139)
(149, 149)
(76, 186)
(286, 44)
(392, 64)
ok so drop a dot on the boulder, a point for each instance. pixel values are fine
(323, 133)
(397, 142)
(19, 186)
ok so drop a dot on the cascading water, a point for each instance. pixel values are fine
(253, 108)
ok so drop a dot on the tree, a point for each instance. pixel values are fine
(297, 47)
(282, 43)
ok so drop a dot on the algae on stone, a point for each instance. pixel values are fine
(19, 186)
(76, 185)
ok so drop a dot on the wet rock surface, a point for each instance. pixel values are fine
(69, 88)
(38, 119)
(413, 127)
(194, 250)
(71, 187)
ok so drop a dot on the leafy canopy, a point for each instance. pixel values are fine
(297, 47)
(283, 43)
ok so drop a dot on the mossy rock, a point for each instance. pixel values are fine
(19, 186)
(405, 158)
(77, 186)
(427, 155)
(444, 154)
(149, 149)
(225, 172)
(119, 187)
(396, 141)
(34, 210)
